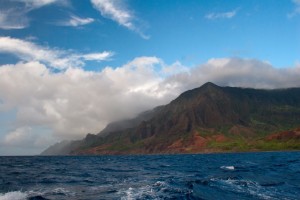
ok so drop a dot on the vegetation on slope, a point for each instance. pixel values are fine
(206, 119)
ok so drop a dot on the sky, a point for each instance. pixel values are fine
(69, 67)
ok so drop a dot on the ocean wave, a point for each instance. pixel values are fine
(39, 194)
(247, 187)
(138, 193)
(213, 176)
(15, 195)
(150, 191)
(228, 167)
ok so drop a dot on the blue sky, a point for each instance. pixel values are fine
(176, 30)
(69, 67)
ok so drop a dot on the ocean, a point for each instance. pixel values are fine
(267, 175)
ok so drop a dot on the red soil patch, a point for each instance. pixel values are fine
(219, 138)
(286, 135)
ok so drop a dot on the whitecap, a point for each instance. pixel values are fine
(159, 183)
(146, 191)
(61, 190)
(228, 167)
(16, 195)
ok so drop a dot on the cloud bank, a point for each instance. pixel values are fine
(50, 105)
(237, 72)
(73, 102)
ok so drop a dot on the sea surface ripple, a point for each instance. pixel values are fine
(272, 175)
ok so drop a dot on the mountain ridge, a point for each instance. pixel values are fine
(205, 119)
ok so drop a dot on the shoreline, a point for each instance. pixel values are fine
(159, 154)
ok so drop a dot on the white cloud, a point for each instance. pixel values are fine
(114, 10)
(25, 141)
(14, 15)
(98, 56)
(237, 72)
(33, 4)
(117, 11)
(296, 10)
(173, 69)
(76, 21)
(25, 137)
(18, 137)
(224, 15)
(60, 59)
(73, 102)
(13, 18)
(297, 2)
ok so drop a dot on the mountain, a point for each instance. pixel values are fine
(129, 123)
(60, 148)
(206, 119)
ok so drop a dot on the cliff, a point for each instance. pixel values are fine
(206, 119)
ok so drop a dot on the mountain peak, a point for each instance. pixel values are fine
(208, 87)
(208, 84)
(207, 118)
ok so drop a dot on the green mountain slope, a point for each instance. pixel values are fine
(206, 119)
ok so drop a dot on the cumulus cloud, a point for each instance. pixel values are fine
(117, 11)
(222, 15)
(75, 102)
(71, 103)
(174, 68)
(76, 21)
(60, 59)
(237, 72)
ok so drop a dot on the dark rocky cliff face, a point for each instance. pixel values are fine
(202, 119)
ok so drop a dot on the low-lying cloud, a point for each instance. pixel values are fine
(73, 102)
(237, 72)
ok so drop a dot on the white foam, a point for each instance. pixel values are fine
(16, 195)
(244, 186)
(159, 183)
(228, 167)
(140, 192)
(63, 191)
(129, 193)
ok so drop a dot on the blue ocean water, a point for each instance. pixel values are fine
(273, 175)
